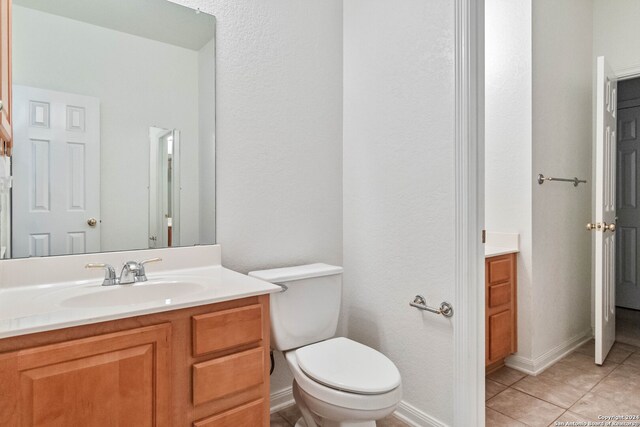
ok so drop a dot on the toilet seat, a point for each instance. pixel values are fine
(341, 398)
(347, 365)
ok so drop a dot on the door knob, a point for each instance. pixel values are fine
(596, 226)
(611, 227)
(92, 222)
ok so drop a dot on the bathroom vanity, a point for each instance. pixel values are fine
(501, 308)
(199, 357)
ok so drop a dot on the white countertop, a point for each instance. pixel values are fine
(38, 307)
(490, 251)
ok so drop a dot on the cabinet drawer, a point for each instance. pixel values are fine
(499, 294)
(500, 334)
(251, 414)
(227, 375)
(227, 329)
(499, 269)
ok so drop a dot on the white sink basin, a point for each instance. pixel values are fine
(138, 293)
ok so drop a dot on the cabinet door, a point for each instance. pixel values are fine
(118, 379)
(6, 134)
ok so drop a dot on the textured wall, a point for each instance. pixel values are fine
(562, 87)
(278, 134)
(398, 188)
(508, 162)
(616, 31)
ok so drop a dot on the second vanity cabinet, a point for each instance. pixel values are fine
(501, 313)
(205, 366)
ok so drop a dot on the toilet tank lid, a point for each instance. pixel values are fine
(289, 274)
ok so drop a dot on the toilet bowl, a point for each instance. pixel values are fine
(338, 382)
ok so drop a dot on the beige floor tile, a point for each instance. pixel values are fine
(549, 390)
(391, 421)
(633, 360)
(621, 387)
(618, 353)
(496, 419)
(587, 363)
(587, 348)
(525, 408)
(278, 421)
(491, 388)
(592, 405)
(626, 347)
(573, 376)
(291, 414)
(506, 376)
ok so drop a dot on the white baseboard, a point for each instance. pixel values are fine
(282, 399)
(539, 364)
(415, 417)
(409, 414)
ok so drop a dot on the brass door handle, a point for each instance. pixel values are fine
(610, 227)
(594, 226)
(92, 222)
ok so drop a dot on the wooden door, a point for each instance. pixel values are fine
(118, 379)
(6, 133)
(605, 210)
(56, 161)
(628, 209)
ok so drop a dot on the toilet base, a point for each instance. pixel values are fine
(318, 413)
(302, 423)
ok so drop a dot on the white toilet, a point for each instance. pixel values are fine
(337, 382)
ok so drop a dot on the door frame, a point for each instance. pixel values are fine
(469, 343)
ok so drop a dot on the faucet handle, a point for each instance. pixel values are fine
(146, 261)
(109, 273)
(140, 274)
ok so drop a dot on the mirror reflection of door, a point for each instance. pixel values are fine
(56, 172)
(164, 187)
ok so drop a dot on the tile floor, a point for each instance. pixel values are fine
(627, 322)
(574, 389)
(288, 417)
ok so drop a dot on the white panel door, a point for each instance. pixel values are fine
(56, 169)
(605, 180)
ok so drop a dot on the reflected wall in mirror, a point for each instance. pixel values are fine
(114, 125)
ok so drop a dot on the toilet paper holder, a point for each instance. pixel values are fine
(420, 302)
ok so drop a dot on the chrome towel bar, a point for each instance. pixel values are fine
(576, 181)
(420, 302)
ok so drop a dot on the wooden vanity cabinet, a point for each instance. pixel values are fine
(204, 366)
(501, 314)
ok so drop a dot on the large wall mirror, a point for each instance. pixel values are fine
(114, 127)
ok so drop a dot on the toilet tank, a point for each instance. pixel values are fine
(308, 310)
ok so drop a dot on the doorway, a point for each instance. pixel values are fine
(628, 213)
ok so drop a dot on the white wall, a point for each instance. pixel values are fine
(278, 134)
(399, 189)
(508, 144)
(562, 87)
(616, 32)
(140, 83)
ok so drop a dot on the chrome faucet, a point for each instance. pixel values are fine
(132, 272)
